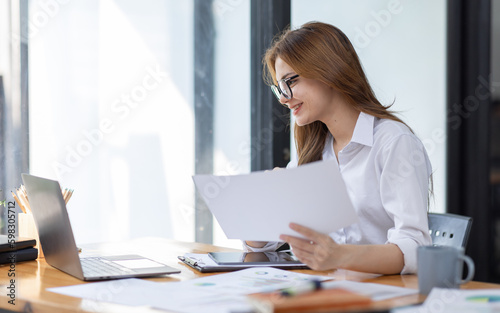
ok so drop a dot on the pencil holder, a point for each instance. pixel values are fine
(27, 228)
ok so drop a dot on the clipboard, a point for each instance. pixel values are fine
(204, 264)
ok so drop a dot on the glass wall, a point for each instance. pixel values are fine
(232, 144)
(402, 46)
(111, 113)
(112, 116)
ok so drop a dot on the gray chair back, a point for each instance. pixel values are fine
(449, 229)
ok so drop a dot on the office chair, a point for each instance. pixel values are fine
(449, 229)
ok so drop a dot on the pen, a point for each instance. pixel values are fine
(300, 289)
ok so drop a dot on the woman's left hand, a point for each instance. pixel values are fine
(319, 251)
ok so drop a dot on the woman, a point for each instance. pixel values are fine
(316, 73)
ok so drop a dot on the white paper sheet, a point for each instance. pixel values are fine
(261, 205)
(444, 300)
(130, 291)
(217, 293)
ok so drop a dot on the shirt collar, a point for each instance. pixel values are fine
(363, 131)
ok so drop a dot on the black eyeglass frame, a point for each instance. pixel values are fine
(279, 90)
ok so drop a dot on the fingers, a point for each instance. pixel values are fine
(303, 250)
(309, 233)
(306, 259)
(315, 250)
(298, 243)
(312, 238)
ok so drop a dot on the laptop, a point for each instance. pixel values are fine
(58, 243)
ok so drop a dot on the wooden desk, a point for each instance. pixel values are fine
(34, 277)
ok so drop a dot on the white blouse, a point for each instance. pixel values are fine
(386, 171)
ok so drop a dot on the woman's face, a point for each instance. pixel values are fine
(311, 99)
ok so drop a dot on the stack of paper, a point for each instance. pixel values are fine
(217, 293)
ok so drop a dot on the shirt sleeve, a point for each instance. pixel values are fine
(404, 188)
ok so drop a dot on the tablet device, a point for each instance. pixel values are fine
(253, 258)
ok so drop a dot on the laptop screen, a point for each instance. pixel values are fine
(53, 224)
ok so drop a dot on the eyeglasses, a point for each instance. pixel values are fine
(283, 88)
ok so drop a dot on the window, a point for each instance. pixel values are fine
(111, 114)
(112, 111)
(232, 143)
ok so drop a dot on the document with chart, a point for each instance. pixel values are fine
(261, 205)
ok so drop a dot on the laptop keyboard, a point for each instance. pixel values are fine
(97, 267)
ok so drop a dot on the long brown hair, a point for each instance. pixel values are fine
(323, 52)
